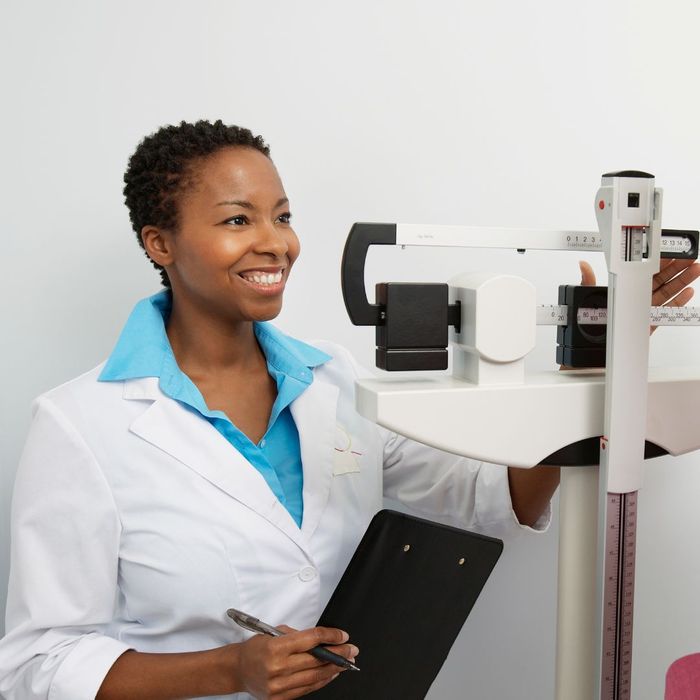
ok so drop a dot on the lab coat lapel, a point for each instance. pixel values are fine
(314, 413)
(192, 440)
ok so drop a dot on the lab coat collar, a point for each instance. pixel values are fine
(185, 436)
(146, 389)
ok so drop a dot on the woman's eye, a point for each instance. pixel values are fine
(239, 220)
(285, 218)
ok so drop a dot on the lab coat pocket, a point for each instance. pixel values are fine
(346, 456)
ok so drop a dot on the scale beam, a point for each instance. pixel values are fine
(675, 243)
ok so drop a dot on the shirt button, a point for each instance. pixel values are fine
(262, 443)
(308, 573)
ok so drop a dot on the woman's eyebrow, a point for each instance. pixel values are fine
(248, 205)
(237, 203)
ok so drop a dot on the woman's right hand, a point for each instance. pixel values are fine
(278, 668)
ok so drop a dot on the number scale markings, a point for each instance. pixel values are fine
(620, 540)
(557, 315)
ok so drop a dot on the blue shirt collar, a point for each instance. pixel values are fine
(143, 348)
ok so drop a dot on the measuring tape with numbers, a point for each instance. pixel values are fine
(620, 546)
(680, 243)
(558, 315)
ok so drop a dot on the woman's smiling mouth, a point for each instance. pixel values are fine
(264, 280)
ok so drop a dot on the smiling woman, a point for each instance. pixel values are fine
(233, 246)
(227, 257)
(197, 469)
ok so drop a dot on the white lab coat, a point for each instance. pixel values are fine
(136, 524)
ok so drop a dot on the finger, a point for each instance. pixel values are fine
(587, 274)
(310, 638)
(303, 682)
(683, 298)
(667, 291)
(320, 684)
(346, 650)
(304, 660)
(665, 262)
(672, 268)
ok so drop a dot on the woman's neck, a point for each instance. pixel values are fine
(204, 343)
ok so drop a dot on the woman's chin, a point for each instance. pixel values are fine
(266, 312)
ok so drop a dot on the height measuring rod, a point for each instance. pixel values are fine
(628, 209)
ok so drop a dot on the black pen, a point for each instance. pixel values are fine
(252, 624)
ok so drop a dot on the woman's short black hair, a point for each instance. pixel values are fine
(161, 167)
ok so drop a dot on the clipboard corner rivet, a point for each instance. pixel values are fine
(406, 547)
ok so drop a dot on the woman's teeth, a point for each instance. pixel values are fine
(262, 277)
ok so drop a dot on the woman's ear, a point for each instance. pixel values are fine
(158, 244)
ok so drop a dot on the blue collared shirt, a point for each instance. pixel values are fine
(143, 350)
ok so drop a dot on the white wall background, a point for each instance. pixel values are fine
(495, 113)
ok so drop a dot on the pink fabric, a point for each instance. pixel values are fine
(683, 679)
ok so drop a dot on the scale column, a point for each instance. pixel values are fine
(628, 208)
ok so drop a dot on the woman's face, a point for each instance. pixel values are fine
(234, 246)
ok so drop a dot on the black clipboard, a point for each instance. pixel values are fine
(403, 598)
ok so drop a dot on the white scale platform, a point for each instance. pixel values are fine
(458, 416)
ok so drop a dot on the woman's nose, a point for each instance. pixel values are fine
(271, 240)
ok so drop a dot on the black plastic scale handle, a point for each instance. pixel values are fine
(352, 271)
